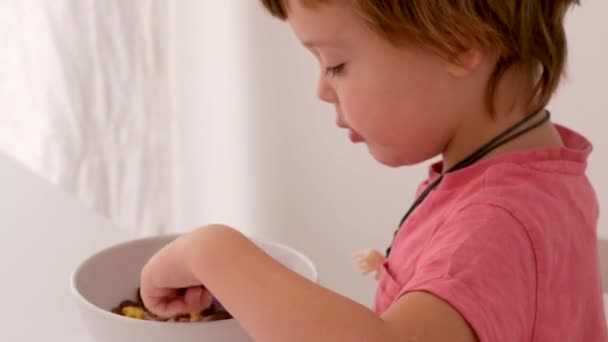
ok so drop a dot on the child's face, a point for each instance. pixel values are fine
(404, 102)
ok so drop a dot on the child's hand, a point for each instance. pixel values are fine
(369, 260)
(168, 286)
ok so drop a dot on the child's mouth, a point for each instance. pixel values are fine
(354, 136)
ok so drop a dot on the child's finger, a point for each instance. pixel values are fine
(162, 302)
(196, 299)
(171, 307)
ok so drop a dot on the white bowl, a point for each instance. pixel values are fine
(102, 281)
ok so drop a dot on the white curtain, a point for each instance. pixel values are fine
(85, 101)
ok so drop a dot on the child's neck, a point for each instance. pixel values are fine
(478, 129)
(544, 136)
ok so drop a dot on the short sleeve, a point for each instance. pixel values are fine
(482, 263)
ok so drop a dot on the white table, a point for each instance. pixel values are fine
(45, 234)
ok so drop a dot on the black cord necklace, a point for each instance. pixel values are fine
(508, 135)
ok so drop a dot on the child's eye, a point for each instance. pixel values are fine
(335, 70)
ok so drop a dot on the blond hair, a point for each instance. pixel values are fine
(527, 34)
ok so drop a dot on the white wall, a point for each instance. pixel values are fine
(260, 152)
(84, 103)
(582, 102)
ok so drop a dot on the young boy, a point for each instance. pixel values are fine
(501, 243)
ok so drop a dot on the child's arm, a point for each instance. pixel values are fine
(275, 304)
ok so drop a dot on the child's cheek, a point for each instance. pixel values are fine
(355, 108)
(366, 118)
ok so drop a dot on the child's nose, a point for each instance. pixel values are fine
(325, 91)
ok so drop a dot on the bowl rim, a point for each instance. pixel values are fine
(78, 269)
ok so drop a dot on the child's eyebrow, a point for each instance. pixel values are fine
(320, 43)
(315, 43)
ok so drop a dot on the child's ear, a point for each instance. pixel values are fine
(466, 62)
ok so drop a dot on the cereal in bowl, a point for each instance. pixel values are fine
(136, 309)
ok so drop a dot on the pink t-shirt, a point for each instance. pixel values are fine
(510, 243)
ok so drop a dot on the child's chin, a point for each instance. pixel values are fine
(386, 160)
(392, 159)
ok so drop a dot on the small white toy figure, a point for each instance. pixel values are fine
(369, 260)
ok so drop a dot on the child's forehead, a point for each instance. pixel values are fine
(329, 20)
(309, 3)
(289, 6)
